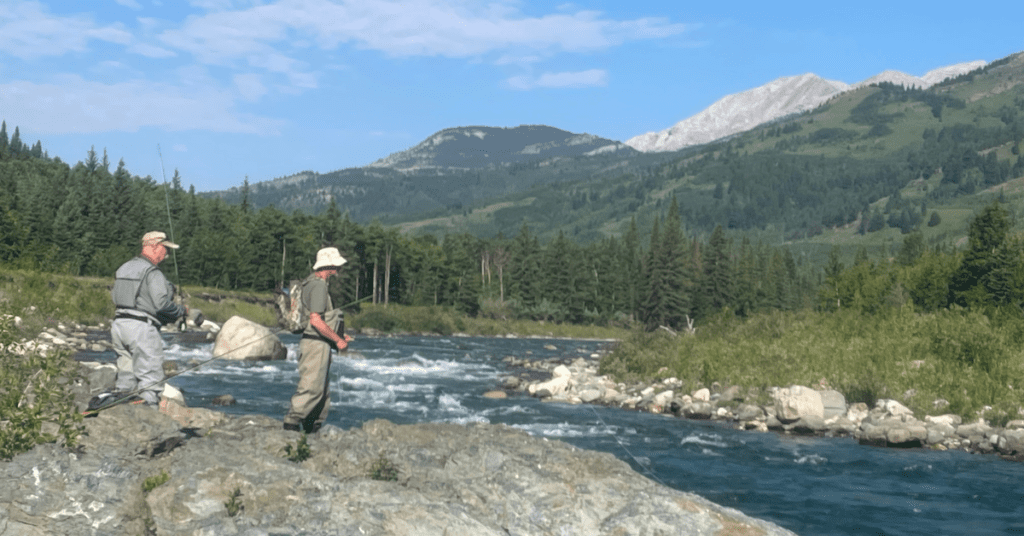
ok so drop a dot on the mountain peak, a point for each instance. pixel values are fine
(742, 111)
(481, 147)
(783, 96)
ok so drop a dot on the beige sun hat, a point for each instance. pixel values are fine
(154, 238)
(328, 258)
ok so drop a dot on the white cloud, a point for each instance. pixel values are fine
(151, 51)
(406, 28)
(129, 4)
(578, 79)
(250, 86)
(28, 32)
(78, 106)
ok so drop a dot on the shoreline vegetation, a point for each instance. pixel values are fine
(952, 361)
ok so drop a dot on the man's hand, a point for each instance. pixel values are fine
(341, 344)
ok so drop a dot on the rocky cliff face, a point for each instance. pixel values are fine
(191, 471)
(779, 98)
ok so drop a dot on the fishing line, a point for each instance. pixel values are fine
(131, 394)
(170, 223)
(647, 467)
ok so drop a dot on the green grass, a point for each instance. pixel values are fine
(257, 307)
(155, 481)
(447, 321)
(299, 452)
(964, 358)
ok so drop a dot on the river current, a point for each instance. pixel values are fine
(812, 486)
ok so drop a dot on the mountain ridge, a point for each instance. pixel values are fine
(473, 147)
(779, 98)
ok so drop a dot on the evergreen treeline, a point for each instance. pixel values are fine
(988, 275)
(85, 220)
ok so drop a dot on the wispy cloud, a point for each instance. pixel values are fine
(99, 107)
(579, 79)
(409, 28)
(197, 71)
(27, 31)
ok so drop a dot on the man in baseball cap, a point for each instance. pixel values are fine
(143, 301)
(157, 238)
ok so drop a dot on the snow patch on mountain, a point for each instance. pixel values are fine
(743, 111)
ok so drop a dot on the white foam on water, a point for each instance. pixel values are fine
(812, 459)
(710, 440)
(565, 430)
(417, 366)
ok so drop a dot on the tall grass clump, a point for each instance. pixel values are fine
(36, 404)
(43, 299)
(951, 361)
(399, 318)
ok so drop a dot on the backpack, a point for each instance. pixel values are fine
(297, 317)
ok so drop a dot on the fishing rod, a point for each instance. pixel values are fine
(170, 223)
(102, 403)
(355, 302)
(174, 252)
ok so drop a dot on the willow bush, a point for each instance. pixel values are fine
(951, 361)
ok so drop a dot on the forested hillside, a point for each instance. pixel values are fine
(85, 219)
(878, 157)
(885, 178)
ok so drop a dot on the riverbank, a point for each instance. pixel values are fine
(175, 470)
(793, 409)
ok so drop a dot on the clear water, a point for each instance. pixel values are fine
(812, 486)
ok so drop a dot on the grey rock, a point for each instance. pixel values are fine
(451, 479)
(698, 410)
(243, 339)
(793, 403)
(749, 412)
(842, 426)
(808, 424)
(1011, 442)
(833, 402)
(974, 429)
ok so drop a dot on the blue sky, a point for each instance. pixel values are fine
(229, 89)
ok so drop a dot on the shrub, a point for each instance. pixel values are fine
(36, 405)
(234, 504)
(155, 481)
(383, 469)
(299, 452)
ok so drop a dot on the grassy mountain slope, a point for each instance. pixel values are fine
(448, 172)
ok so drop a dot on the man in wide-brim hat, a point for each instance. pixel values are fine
(325, 329)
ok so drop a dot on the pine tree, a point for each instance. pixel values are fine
(16, 148)
(718, 281)
(679, 274)
(652, 308)
(525, 272)
(986, 235)
(4, 143)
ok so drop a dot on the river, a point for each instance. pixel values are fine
(812, 486)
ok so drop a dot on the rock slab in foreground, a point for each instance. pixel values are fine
(452, 479)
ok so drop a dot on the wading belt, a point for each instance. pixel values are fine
(139, 317)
